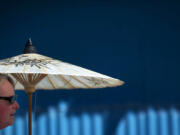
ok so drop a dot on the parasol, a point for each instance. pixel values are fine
(31, 71)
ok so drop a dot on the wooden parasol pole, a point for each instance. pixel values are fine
(30, 91)
(30, 113)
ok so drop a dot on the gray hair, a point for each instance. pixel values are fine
(6, 77)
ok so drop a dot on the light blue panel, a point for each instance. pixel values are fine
(63, 107)
(26, 123)
(42, 124)
(75, 125)
(33, 124)
(97, 124)
(86, 124)
(52, 121)
(63, 119)
(142, 123)
(175, 124)
(64, 127)
(121, 127)
(19, 125)
(163, 116)
(132, 124)
(8, 130)
(152, 122)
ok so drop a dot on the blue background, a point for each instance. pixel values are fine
(137, 42)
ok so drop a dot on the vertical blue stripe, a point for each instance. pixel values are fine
(19, 125)
(42, 125)
(26, 123)
(152, 123)
(163, 122)
(8, 130)
(52, 121)
(97, 124)
(175, 122)
(63, 125)
(142, 123)
(131, 120)
(75, 126)
(86, 124)
(33, 124)
(63, 119)
(121, 127)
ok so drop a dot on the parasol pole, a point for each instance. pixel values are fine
(30, 48)
(30, 91)
(30, 113)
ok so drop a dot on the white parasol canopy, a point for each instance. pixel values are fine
(31, 71)
(58, 74)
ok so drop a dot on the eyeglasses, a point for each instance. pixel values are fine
(11, 99)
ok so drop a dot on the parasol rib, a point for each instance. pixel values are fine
(15, 83)
(30, 78)
(81, 82)
(34, 76)
(23, 78)
(67, 81)
(51, 82)
(18, 78)
(40, 77)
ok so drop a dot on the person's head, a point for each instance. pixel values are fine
(8, 104)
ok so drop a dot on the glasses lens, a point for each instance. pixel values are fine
(13, 98)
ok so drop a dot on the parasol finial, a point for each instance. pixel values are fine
(29, 47)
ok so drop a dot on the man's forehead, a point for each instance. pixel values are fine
(6, 88)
